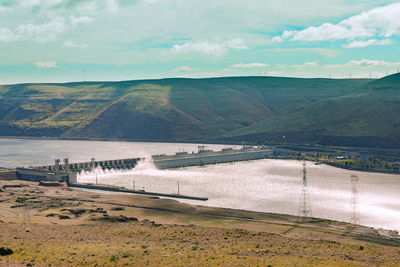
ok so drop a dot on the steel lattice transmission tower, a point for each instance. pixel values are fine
(355, 218)
(305, 203)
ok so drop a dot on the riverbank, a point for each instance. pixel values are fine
(389, 162)
(64, 226)
(333, 164)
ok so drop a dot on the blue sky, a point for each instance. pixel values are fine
(55, 40)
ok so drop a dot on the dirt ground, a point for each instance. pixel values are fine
(60, 226)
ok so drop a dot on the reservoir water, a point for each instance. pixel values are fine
(263, 185)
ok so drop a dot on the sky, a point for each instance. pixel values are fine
(112, 40)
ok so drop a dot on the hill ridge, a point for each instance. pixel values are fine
(251, 108)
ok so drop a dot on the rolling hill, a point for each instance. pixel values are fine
(367, 115)
(260, 109)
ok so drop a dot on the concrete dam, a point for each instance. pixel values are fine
(207, 157)
(68, 172)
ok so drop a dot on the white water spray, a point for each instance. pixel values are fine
(145, 176)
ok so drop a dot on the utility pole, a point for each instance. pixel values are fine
(178, 188)
(27, 216)
(305, 204)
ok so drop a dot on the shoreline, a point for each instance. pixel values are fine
(187, 142)
(119, 140)
(66, 226)
(358, 169)
(212, 211)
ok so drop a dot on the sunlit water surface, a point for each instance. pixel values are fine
(263, 185)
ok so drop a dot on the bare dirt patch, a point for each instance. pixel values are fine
(119, 229)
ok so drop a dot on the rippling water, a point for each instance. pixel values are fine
(272, 186)
(263, 185)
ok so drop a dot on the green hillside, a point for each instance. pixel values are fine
(260, 109)
(369, 115)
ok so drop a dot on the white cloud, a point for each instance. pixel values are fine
(382, 21)
(358, 44)
(7, 35)
(45, 64)
(249, 65)
(227, 70)
(185, 69)
(38, 33)
(79, 20)
(43, 3)
(5, 9)
(306, 65)
(275, 73)
(41, 33)
(365, 63)
(112, 5)
(277, 39)
(328, 31)
(280, 66)
(72, 44)
(205, 47)
(326, 52)
(385, 42)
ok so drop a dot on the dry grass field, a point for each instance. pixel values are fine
(68, 227)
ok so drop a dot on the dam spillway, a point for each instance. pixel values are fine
(117, 164)
(68, 172)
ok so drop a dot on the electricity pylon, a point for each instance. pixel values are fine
(355, 218)
(305, 212)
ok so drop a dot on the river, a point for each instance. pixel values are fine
(262, 185)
